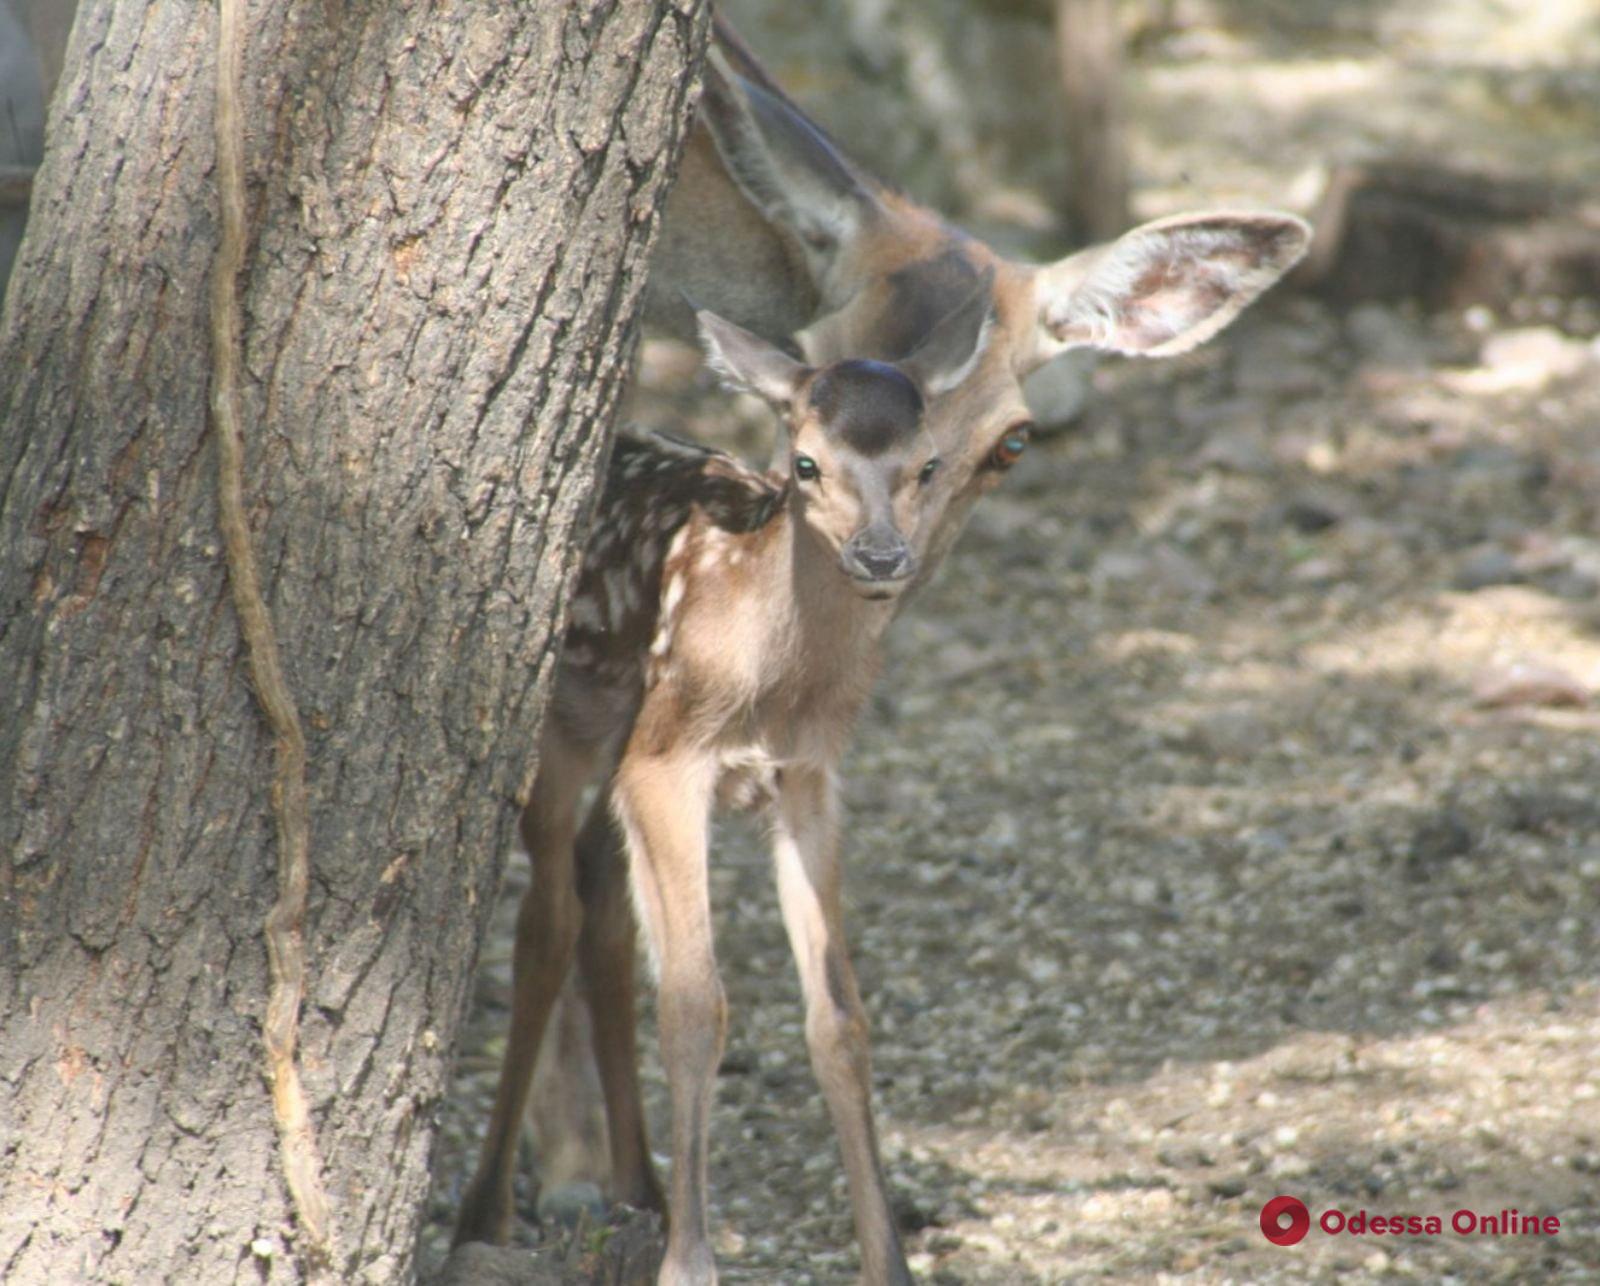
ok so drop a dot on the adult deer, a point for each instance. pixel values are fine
(772, 226)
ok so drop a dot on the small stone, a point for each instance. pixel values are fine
(1268, 368)
(1311, 512)
(1179, 574)
(1534, 354)
(1486, 565)
(1385, 338)
(1236, 732)
(1238, 451)
(1185, 1158)
(1120, 567)
(912, 1215)
(1290, 1165)
(1528, 683)
(1317, 571)
(1574, 586)
(1042, 970)
(1436, 840)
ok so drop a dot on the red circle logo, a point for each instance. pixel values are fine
(1273, 1227)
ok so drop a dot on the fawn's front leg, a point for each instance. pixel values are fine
(663, 803)
(806, 857)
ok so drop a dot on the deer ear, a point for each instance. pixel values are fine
(746, 363)
(952, 348)
(783, 162)
(1165, 286)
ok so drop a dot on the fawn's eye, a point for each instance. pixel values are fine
(1011, 446)
(928, 470)
(805, 468)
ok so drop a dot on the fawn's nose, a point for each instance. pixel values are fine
(878, 554)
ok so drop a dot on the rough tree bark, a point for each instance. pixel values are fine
(451, 207)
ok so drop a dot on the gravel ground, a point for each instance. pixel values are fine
(1226, 825)
(1228, 820)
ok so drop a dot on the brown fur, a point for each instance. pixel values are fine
(771, 226)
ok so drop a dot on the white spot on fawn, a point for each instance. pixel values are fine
(671, 599)
(673, 596)
(679, 540)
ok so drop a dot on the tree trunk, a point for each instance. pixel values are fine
(1089, 41)
(451, 206)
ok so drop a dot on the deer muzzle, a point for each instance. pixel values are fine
(878, 554)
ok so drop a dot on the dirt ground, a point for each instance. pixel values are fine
(1227, 824)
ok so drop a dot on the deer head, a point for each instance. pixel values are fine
(873, 273)
(863, 469)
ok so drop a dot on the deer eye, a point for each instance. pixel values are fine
(805, 468)
(1012, 444)
(928, 470)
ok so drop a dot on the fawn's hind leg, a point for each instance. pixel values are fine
(606, 955)
(566, 1109)
(591, 1049)
(548, 924)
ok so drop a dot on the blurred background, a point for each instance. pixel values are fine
(21, 127)
(1227, 821)
(1219, 101)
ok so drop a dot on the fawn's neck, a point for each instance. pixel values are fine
(825, 634)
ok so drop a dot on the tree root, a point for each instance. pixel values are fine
(302, 1165)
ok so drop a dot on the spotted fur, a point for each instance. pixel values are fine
(633, 579)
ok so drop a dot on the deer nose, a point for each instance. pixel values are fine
(878, 553)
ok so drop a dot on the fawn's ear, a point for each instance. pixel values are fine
(952, 348)
(1165, 286)
(746, 363)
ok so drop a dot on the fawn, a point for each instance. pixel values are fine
(725, 631)
(772, 224)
